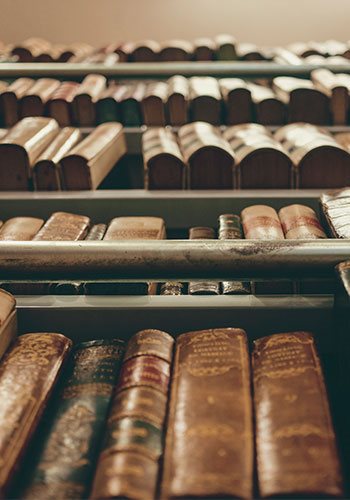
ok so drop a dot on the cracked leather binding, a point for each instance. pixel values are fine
(295, 441)
(20, 229)
(63, 468)
(128, 465)
(209, 440)
(203, 287)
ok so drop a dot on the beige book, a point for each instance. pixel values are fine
(20, 229)
(8, 321)
(336, 87)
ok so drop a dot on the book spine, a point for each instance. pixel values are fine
(171, 288)
(68, 449)
(209, 440)
(128, 465)
(28, 373)
(203, 287)
(293, 423)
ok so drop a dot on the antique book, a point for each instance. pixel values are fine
(96, 233)
(175, 50)
(178, 100)
(134, 428)
(30, 49)
(62, 226)
(209, 156)
(129, 97)
(46, 170)
(251, 52)
(130, 228)
(28, 373)
(335, 207)
(237, 100)
(65, 455)
(10, 97)
(292, 413)
(305, 49)
(230, 229)
(336, 87)
(8, 321)
(268, 108)
(225, 47)
(300, 222)
(76, 49)
(164, 164)
(20, 229)
(204, 49)
(171, 288)
(33, 102)
(209, 440)
(304, 101)
(143, 51)
(83, 104)
(285, 56)
(205, 99)
(89, 162)
(20, 148)
(261, 161)
(153, 104)
(203, 287)
(320, 161)
(107, 107)
(59, 105)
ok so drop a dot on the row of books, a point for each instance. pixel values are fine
(221, 47)
(164, 418)
(247, 156)
(322, 100)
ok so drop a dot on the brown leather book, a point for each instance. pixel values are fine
(292, 413)
(225, 47)
(96, 233)
(83, 104)
(20, 148)
(10, 97)
(210, 157)
(33, 103)
(128, 465)
(46, 170)
(251, 52)
(209, 441)
(107, 107)
(175, 50)
(62, 226)
(59, 106)
(178, 100)
(129, 97)
(205, 99)
(153, 104)
(261, 161)
(237, 99)
(300, 222)
(20, 229)
(90, 161)
(335, 208)
(8, 321)
(336, 87)
(52, 54)
(304, 49)
(142, 51)
(163, 161)
(305, 102)
(204, 49)
(203, 287)
(28, 373)
(269, 109)
(76, 50)
(30, 49)
(319, 160)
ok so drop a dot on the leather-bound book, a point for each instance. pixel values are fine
(83, 104)
(20, 229)
(20, 148)
(130, 228)
(335, 208)
(261, 161)
(320, 161)
(66, 452)
(304, 49)
(300, 222)
(203, 287)
(53, 54)
(175, 50)
(30, 49)
(28, 373)
(153, 104)
(117, 48)
(59, 106)
(142, 51)
(33, 103)
(305, 102)
(107, 108)
(204, 49)
(178, 100)
(285, 56)
(251, 52)
(10, 97)
(163, 161)
(230, 228)
(292, 414)
(76, 49)
(209, 440)
(237, 99)
(129, 97)
(46, 170)
(96, 233)
(225, 48)
(268, 108)
(128, 465)
(3, 87)
(172, 288)
(90, 161)
(209, 155)
(336, 87)
(62, 226)
(205, 99)
(8, 321)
